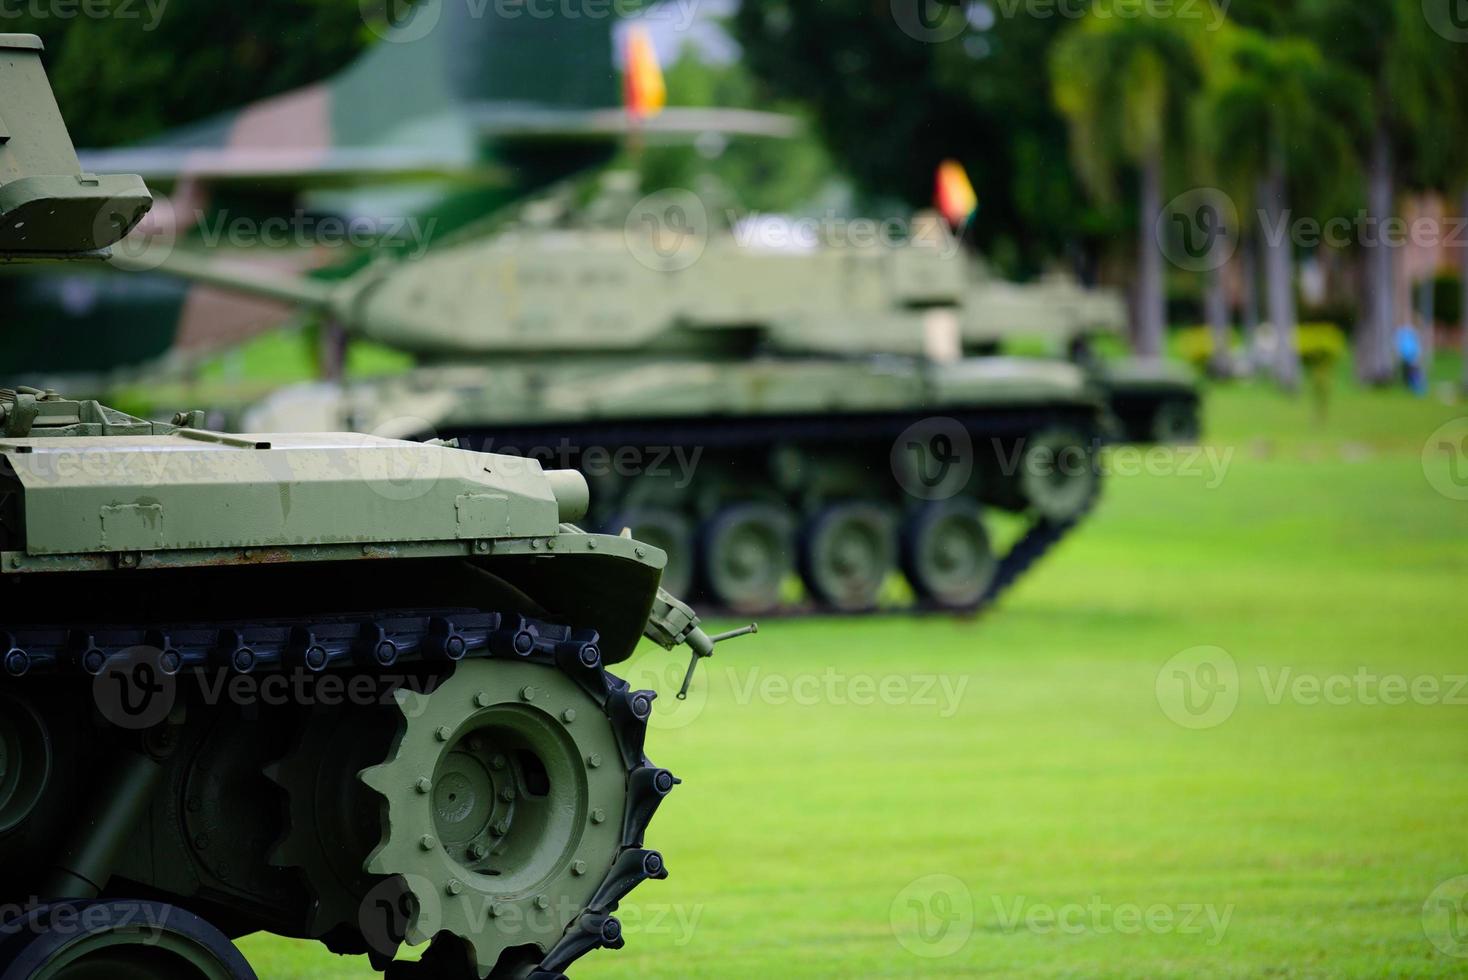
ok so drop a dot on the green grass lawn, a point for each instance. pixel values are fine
(1027, 757)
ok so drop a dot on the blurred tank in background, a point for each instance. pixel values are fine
(1153, 400)
(760, 414)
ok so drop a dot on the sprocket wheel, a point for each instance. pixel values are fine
(515, 798)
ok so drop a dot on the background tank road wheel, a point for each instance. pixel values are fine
(1176, 422)
(947, 555)
(846, 553)
(667, 530)
(745, 554)
(1058, 477)
(117, 940)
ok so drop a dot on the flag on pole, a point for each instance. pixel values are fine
(644, 90)
(954, 196)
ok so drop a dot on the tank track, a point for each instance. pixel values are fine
(1042, 537)
(434, 639)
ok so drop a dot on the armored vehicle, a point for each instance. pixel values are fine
(334, 687)
(1152, 400)
(766, 418)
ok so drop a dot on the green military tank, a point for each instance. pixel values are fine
(790, 428)
(330, 686)
(1153, 401)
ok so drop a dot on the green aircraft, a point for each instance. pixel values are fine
(450, 116)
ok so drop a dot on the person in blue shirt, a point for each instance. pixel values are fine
(1409, 353)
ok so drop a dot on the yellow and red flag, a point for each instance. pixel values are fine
(954, 195)
(643, 88)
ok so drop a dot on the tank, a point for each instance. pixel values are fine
(334, 687)
(798, 431)
(1153, 400)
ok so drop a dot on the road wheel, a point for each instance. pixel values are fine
(947, 555)
(1176, 422)
(1058, 474)
(846, 553)
(745, 556)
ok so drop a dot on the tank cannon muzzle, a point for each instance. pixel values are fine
(573, 494)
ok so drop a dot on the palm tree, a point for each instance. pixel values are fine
(1431, 76)
(1123, 84)
(1386, 44)
(1277, 116)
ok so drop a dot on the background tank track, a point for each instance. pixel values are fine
(72, 707)
(736, 463)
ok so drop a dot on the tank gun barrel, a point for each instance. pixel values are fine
(296, 290)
